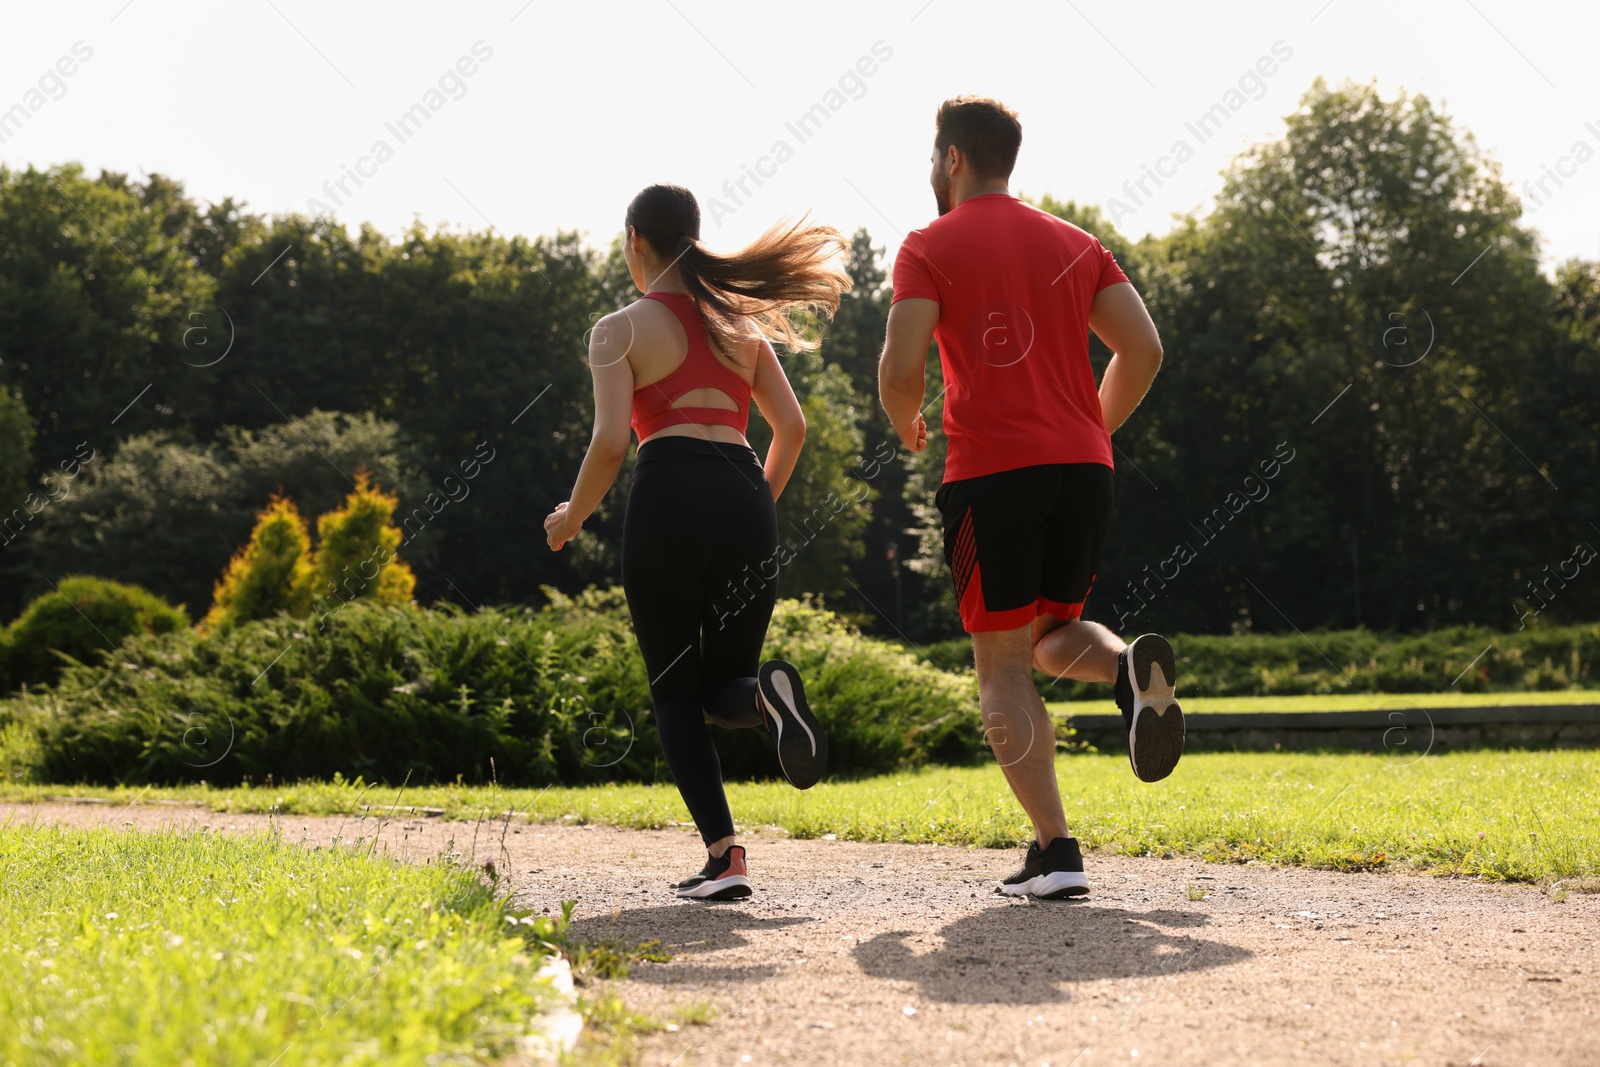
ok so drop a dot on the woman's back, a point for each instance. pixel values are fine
(684, 384)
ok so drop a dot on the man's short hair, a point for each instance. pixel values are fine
(987, 132)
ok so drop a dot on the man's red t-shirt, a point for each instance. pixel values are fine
(1014, 286)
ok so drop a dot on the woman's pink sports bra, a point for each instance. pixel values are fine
(653, 408)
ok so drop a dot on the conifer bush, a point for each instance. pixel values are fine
(277, 571)
(270, 574)
(355, 557)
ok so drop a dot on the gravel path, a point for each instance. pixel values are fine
(886, 954)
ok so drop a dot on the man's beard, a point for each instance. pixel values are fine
(941, 197)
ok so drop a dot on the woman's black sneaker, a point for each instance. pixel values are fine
(1147, 695)
(802, 745)
(722, 878)
(1050, 873)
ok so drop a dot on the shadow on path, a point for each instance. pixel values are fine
(688, 929)
(1020, 954)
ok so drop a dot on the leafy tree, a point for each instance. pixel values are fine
(472, 342)
(95, 286)
(270, 574)
(169, 515)
(937, 614)
(853, 338)
(1561, 395)
(1338, 260)
(16, 506)
(16, 449)
(881, 586)
(1363, 292)
(827, 503)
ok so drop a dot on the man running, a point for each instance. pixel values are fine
(1010, 293)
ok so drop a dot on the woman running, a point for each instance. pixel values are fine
(685, 362)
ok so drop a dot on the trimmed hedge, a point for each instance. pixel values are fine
(84, 621)
(1357, 661)
(525, 697)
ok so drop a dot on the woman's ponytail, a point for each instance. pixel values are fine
(791, 265)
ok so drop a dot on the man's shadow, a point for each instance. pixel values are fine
(686, 930)
(1021, 954)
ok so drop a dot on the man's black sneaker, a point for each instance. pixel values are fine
(1123, 690)
(722, 878)
(1146, 694)
(802, 745)
(1050, 873)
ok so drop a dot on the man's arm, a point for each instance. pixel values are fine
(1119, 318)
(901, 371)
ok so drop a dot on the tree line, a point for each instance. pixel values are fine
(1360, 313)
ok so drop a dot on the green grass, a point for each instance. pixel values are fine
(166, 948)
(1511, 816)
(1348, 702)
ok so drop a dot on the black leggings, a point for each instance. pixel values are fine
(699, 566)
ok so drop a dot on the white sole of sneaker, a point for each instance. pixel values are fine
(725, 888)
(783, 690)
(1049, 886)
(1156, 700)
(802, 753)
(1060, 884)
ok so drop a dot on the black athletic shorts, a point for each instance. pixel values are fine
(1026, 542)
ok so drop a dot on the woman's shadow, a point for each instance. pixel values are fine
(686, 930)
(1021, 954)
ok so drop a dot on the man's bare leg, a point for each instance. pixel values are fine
(1088, 652)
(1078, 650)
(1018, 728)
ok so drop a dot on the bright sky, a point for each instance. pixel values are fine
(571, 107)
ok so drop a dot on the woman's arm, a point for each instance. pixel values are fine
(608, 447)
(776, 399)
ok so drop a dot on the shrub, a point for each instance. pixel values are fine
(84, 619)
(270, 574)
(20, 754)
(1465, 658)
(553, 695)
(356, 548)
(168, 514)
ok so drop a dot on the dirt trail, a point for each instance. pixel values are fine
(884, 954)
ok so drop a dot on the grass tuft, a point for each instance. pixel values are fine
(593, 959)
(166, 948)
